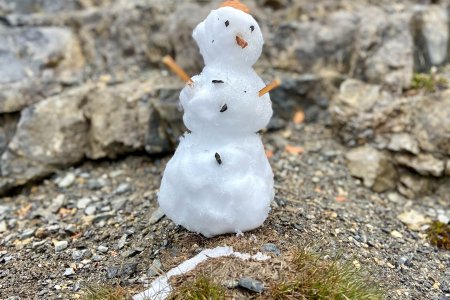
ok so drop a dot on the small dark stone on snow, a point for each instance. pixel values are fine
(251, 284)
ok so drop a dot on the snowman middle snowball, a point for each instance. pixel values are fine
(219, 179)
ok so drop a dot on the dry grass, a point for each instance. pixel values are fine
(298, 274)
(202, 288)
(106, 292)
(439, 235)
(318, 278)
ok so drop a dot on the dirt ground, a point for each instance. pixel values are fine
(98, 223)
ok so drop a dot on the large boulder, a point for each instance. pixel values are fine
(414, 131)
(374, 167)
(383, 48)
(430, 27)
(35, 63)
(94, 121)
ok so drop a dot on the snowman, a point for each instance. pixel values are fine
(219, 179)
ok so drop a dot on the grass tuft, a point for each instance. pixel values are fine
(319, 279)
(106, 292)
(428, 82)
(203, 288)
(439, 235)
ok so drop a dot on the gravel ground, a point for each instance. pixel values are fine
(99, 222)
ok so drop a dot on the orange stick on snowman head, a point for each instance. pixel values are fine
(172, 65)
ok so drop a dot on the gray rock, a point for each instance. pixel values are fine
(119, 203)
(27, 233)
(411, 185)
(122, 241)
(403, 142)
(374, 167)
(102, 249)
(112, 272)
(50, 134)
(271, 248)
(3, 226)
(155, 269)
(251, 284)
(447, 169)
(8, 123)
(52, 54)
(83, 202)
(424, 164)
(123, 188)
(78, 254)
(127, 270)
(57, 203)
(69, 272)
(67, 180)
(90, 210)
(97, 258)
(351, 110)
(385, 33)
(95, 184)
(60, 245)
(157, 215)
(431, 36)
(165, 122)
(133, 252)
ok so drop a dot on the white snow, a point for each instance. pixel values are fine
(219, 179)
(160, 288)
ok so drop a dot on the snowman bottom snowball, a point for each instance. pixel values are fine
(225, 187)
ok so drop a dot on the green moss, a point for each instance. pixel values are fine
(106, 292)
(427, 82)
(319, 279)
(439, 235)
(203, 288)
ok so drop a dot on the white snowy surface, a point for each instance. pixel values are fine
(219, 179)
(160, 288)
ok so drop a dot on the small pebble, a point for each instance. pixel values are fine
(78, 254)
(122, 241)
(3, 227)
(66, 181)
(123, 188)
(96, 258)
(155, 268)
(396, 234)
(69, 272)
(156, 216)
(271, 248)
(90, 210)
(102, 249)
(83, 203)
(95, 184)
(57, 203)
(251, 284)
(60, 245)
(27, 233)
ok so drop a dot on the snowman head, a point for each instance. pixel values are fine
(229, 36)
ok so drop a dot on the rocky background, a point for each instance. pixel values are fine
(82, 80)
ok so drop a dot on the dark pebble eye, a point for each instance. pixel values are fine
(252, 28)
(227, 23)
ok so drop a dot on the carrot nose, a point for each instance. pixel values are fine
(241, 42)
